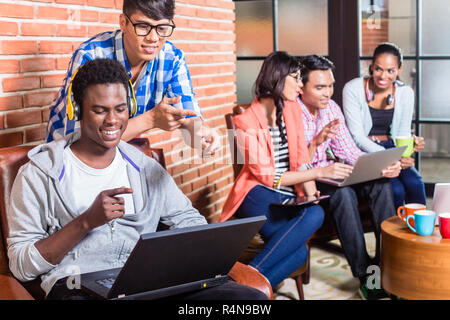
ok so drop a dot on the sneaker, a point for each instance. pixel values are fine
(372, 294)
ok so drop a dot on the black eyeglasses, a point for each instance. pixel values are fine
(143, 29)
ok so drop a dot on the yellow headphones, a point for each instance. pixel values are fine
(73, 110)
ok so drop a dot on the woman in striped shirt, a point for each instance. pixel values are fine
(270, 134)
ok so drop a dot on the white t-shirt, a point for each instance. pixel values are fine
(87, 182)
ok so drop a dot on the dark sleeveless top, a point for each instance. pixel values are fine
(381, 121)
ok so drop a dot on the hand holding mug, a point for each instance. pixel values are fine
(419, 143)
(408, 142)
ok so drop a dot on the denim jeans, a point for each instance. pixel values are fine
(285, 233)
(230, 290)
(408, 186)
(343, 206)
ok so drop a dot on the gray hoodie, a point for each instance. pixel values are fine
(39, 207)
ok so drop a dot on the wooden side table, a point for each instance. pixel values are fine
(413, 266)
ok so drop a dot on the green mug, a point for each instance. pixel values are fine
(408, 142)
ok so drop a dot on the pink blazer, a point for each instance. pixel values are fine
(255, 143)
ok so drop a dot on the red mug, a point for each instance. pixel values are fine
(444, 225)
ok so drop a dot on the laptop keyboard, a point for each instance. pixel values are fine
(108, 282)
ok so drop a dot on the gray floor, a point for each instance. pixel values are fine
(435, 169)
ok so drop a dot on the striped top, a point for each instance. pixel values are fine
(281, 157)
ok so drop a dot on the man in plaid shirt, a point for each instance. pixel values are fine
(325, 129)
(157, 70)
(331, 122)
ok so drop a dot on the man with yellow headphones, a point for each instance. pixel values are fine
(81, 203)
(161, 87)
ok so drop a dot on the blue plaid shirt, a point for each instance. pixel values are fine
(166, 75)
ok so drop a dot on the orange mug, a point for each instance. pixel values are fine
(408, 210)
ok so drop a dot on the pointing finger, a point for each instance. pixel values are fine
(181, 113)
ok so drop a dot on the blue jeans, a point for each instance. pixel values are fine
(408, 186)
(285, 233)
(343, 207)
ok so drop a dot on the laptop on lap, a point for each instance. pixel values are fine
(368, 167)
(172, 262)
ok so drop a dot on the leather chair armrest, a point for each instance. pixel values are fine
(11, 289)
(142, 144)
(240, 108)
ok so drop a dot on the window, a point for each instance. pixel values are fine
(302, 27)
(299, 27)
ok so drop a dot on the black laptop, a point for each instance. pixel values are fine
(167, 263)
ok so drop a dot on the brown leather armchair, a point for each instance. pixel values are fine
(10, 161)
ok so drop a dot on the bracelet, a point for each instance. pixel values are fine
(277, 183)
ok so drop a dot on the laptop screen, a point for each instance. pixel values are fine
(173, 257)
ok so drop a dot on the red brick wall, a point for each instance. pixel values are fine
(37, 38)
(372, 37)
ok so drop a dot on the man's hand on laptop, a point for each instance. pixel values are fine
(392, 171)
(407, 162)
(105, 208)
(336, 171)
